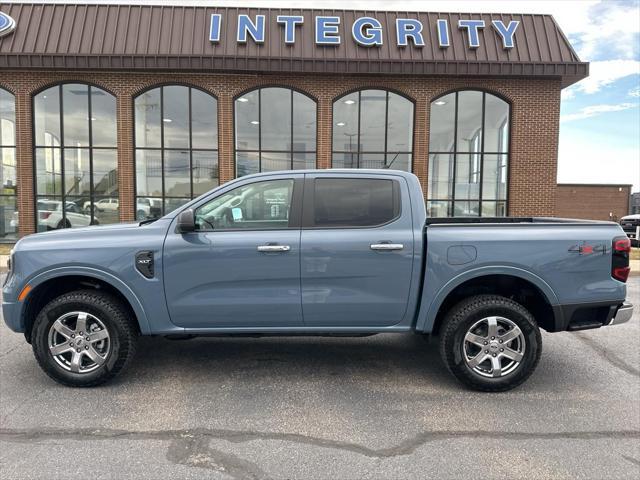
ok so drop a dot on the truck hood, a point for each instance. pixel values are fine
(77, 235)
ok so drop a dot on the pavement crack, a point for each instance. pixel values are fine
(632, 460)
(194, 451)
(610, 357)
(199, 454)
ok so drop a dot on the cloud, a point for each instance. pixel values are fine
(634, 92)
(602, 74)
(594, 110)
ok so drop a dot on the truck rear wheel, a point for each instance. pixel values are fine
(83, 338)
(490, 343)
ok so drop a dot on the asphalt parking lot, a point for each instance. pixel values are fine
(376, 407)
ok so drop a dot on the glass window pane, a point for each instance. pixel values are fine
(438, 209)
(105, 173)
(177, 180)
(275, 119)
(8, 171)
(8, 217)
(205, 171)
(7, 119)
(466, 209)
(106, 210)
(247, 163)
(345, 123)
(496, 124)
(148, 207)
(275, 161)
(75, 114)
(260, 205)
(467, 177)
(147, 113)
(344, 160)
(204, 120)
(354, 202)
(399, 161)
(47, 117)
(440, 176)
(175, 116)
(494, 177)
(399, 124)
(77, 173)
(442, 124)
(371, 160)
(247, 121)
(103, 118)
(372, 120)
(149, 173)
(469, 121)
(77, 212)
(49, 213)
(48, 171)
(171, 204)
(304, 123)
(303, 161)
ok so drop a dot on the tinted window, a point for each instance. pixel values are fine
(358, 202)
(260, 205)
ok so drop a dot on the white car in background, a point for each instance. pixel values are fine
(111, 205)
(50, 215)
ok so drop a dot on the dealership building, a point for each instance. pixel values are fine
(116, 112)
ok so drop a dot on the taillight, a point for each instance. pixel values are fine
(45, 215)
(621, 246)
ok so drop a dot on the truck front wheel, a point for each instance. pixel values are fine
(83, 338)
(490, 343)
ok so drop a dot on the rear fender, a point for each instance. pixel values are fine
(429, 311)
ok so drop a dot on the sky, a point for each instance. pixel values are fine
(600, 116)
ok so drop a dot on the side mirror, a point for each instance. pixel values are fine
(186, 222)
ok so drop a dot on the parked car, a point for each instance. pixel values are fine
(324, 252)
(143, 207)
(630, 224)
(50, 216)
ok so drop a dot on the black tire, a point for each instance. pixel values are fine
(463, 316)
(63, 224)
(116, 319)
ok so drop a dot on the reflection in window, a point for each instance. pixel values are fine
(373, 129)
(468, 155)
(8, 210)
(257, 206)
(76, 157)
(176, 140)
(275, 130)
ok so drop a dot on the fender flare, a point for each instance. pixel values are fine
(98, 274)
(427, 317)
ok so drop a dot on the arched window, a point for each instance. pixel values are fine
(176, 142)
(373, 129)
(75, 157)
(8, 210)
(468, 155)
(275, 130)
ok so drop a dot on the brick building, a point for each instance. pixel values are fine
(593, 201)
(115, 112)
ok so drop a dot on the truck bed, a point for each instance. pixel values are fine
(471, 221)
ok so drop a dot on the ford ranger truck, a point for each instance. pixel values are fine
(316, 252)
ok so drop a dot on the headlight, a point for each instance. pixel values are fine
(10, 263)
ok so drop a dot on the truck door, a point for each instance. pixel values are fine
(241, 267)
(356, 250)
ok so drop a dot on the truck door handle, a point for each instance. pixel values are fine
(387, 246)
(274, 248)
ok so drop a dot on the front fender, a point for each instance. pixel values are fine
(429, 310)
(98, 274)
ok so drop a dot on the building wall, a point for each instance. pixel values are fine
(593, 202)
(535, 111)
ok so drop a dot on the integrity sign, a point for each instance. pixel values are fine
(365, 31)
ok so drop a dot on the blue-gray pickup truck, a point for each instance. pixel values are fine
(317, 252)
